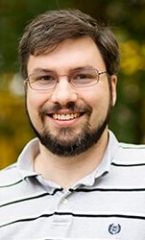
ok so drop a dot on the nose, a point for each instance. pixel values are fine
(64, 92)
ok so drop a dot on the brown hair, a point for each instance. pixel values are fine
(47, 30)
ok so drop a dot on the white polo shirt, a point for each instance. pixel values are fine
(109, 203)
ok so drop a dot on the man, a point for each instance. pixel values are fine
(74, 180)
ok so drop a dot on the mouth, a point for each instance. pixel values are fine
(65, 116)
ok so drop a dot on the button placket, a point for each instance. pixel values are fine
(62, 218)
(63, 204)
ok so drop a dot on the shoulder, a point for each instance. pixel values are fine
(130, 154)
(9, 176)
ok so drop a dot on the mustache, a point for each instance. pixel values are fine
(53, 108)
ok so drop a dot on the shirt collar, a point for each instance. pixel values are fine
(26, 158)
(104, 166)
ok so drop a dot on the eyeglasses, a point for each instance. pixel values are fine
(79, 78)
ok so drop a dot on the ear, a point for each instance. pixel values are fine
(25, 85)
(113, 81)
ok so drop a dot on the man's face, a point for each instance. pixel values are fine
(66, 119)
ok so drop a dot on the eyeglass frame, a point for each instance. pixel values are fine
(27, 80)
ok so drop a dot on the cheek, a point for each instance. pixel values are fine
(98, 99)
(99, 102)
(34, 103)
(35, 100)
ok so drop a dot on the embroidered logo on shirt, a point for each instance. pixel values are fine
(114, 228)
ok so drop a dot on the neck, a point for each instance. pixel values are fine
(65, 171)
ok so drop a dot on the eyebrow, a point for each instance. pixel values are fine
(41, 70)
(45, 70)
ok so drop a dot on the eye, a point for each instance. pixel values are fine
(47, 77)
(80, 76)
(85, 75)
(44, 79)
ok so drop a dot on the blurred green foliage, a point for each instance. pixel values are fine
(127, 19)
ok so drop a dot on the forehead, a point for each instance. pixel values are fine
(69, 54)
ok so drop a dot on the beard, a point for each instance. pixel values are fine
(79, 143)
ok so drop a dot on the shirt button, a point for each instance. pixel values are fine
(65, 201)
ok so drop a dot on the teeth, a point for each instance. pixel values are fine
(65, 116)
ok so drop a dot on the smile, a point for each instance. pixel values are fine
(65, 117)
